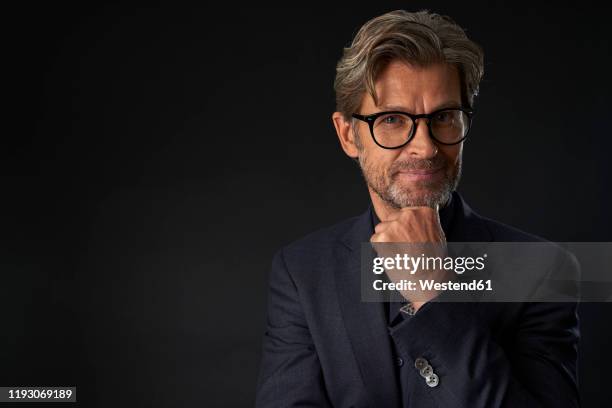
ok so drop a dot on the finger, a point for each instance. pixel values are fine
(420, 208)
(423, 210)
(392, 213)
(380, 227)
(437, 215)
(380, 237)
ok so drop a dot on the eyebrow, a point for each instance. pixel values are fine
(445, 105)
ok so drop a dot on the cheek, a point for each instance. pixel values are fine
(452, 154)
(382, 160)
(378, 164)
(377, 159)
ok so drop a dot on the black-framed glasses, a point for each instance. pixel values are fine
(394, 129)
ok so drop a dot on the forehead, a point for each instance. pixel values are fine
(416, 88)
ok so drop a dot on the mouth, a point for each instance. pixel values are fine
(420, 174)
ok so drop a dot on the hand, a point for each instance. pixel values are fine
(413, 225)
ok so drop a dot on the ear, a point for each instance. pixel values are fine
(345, 135)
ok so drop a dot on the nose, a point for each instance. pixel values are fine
(421, 146)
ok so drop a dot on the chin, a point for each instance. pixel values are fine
(418, 197)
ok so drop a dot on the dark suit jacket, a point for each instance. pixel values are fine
(324, 347)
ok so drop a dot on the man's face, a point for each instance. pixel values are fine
(421, 173)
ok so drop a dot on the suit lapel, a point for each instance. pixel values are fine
(365, 322)
(467, 225)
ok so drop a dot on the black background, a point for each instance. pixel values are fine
(155, 157)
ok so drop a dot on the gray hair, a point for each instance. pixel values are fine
(420, 39)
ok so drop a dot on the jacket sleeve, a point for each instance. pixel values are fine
(290, 373)
(475, 371)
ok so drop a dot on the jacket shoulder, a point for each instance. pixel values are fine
(505, 233)
(323, 238)
(308, 259)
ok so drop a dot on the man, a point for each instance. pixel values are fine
(405, 90)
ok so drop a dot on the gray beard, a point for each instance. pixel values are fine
(397, 196)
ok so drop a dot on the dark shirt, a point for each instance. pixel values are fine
(404, 372)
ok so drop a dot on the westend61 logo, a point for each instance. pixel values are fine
(413, 264)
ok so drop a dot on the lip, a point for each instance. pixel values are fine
(418, 175)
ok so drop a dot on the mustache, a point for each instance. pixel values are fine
(419, 164)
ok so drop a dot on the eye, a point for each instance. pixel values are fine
(443, 117)
(392, 120)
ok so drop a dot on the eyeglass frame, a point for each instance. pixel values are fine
(370, 119)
